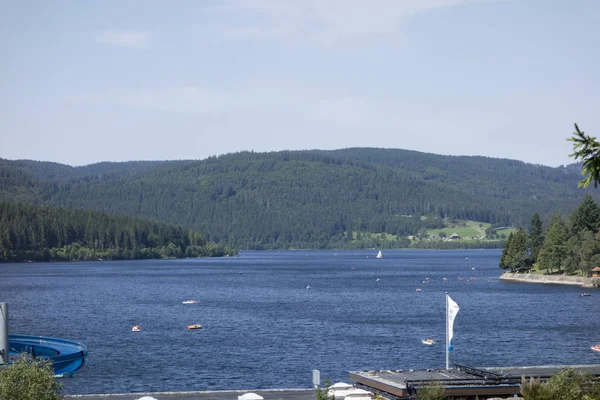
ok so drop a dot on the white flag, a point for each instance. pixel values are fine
(451, 314)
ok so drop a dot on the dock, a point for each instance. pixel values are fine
(462, 381)
(459, 382)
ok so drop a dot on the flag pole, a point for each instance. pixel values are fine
(447, 344)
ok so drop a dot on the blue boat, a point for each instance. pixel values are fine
(67, 356)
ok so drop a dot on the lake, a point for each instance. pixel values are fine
(264, 329)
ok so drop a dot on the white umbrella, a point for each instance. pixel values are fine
(250, 396)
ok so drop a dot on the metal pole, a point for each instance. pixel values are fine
(447, 344)
(3, 333)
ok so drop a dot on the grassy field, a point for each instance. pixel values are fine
(467, 229)
(464, 229)
(506, 231)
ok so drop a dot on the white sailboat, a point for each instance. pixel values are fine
(379, 255)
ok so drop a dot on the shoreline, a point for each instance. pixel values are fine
(548, 279)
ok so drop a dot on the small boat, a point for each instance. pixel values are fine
(136, 328)
(428, 341)
(596, 347)
(418, 290)
(194, 327)
(190, 302)
(377, 280)
(308, 287)
(584, 295)
(379, 255)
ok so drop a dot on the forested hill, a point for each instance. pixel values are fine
(307, 199)
(41, 233)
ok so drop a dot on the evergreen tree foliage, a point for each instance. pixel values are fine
(583, 246)
(303, 199)
(504, 264)
(554, 250)
(572, 248)
(586, 216)
(43, 233)
(536, 237)
(587, 149)
(515, 254)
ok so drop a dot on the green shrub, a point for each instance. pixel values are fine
(29, 379)
(433, 391)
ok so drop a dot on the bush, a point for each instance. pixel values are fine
(27, 378)
(534, 389)
(433, 391)
(566, 385)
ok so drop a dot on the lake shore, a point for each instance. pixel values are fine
(550, 279)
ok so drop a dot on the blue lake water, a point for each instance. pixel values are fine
(264, 329)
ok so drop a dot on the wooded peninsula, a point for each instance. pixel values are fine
(570, 246)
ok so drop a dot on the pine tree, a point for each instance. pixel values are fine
(536, 237)
(503, 257)
(585, 217)
(553, 254)
(587, 149)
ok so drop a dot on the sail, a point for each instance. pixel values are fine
(379, 255)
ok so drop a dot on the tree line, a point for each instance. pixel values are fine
(303, 199)
(570, 245)
(41, 233)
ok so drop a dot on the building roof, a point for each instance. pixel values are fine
(597, 269)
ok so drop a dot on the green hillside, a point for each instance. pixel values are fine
(304, 199)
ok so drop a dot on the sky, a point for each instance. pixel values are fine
(119, 80)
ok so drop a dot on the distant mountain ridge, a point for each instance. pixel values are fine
(309, 199)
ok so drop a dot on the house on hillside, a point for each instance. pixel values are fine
(454, 236)
(596, 272)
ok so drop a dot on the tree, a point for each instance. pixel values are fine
(585, 217)
(536, 236)
(583, 246)
(27, 378)
(515, 254)
(503, 256)
(554, 251)
(442, 235)
(587, 149)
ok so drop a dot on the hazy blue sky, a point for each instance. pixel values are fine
(89, 81)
